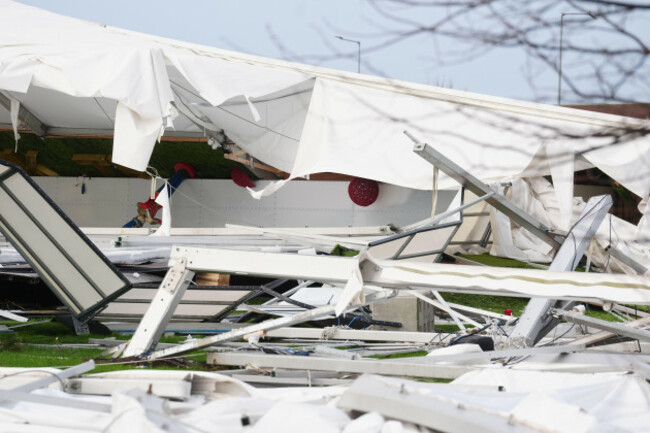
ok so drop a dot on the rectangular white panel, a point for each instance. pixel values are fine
(72, 267)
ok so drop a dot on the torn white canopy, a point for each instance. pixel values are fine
(67, 76)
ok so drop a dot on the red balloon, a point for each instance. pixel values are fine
(240, 177)
(363, 192)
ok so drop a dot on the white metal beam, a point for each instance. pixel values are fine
(535, 322)
(479, 188)
(481, 358)
(168, 388)
(604, 335)
(56, 377)
(402, 367)
(613, 327)
(626, 289)
(354, 334)
(236, 334)
(320, 268)
(161, 309)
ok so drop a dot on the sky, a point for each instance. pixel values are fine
(305, 30)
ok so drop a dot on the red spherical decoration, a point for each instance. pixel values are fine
(508, 312)
(240, 177)
(363, 192)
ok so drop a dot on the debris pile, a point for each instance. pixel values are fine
(551, 368)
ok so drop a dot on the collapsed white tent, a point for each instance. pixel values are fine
(61, 75)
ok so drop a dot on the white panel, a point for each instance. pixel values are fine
(387, 250)
(189, 296)
(61, 255)
(428, 241)
(115, 309)
(111, 202)
(90, 113)
(31, 236)
(108, 202)
(69, 241)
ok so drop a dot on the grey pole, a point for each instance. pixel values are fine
(559, 71)
(358, 50)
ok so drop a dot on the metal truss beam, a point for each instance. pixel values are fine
(27, 117)
(479, 188)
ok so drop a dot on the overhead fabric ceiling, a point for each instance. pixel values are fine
(68, 76)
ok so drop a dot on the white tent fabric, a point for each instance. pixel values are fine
(604, 402)
(78, 77)
(536, 197)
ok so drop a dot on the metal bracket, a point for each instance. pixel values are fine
(27, 117)
(174, 277)
(80, 328)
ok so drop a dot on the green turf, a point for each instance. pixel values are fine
(16, 349)
(52, 332)
(502, 262)
(446, 328)
(400, 355)
(26, 356)
(56, 154)
(489, 260)
(496, 304)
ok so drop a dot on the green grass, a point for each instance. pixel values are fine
(433, 380)
(26, 356)
(195, 361)
(598, 313)
(15, 350)
(487, 259)
(400, 355)
(52, 332)
(496, 304)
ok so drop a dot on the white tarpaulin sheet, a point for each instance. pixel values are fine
(536, 197)
(81, 77)
(612, 402)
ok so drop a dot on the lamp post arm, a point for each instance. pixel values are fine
(358, 50)
(559, 71)
(359, 57)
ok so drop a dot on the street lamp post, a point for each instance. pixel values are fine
(358, 50)
(559, 71)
